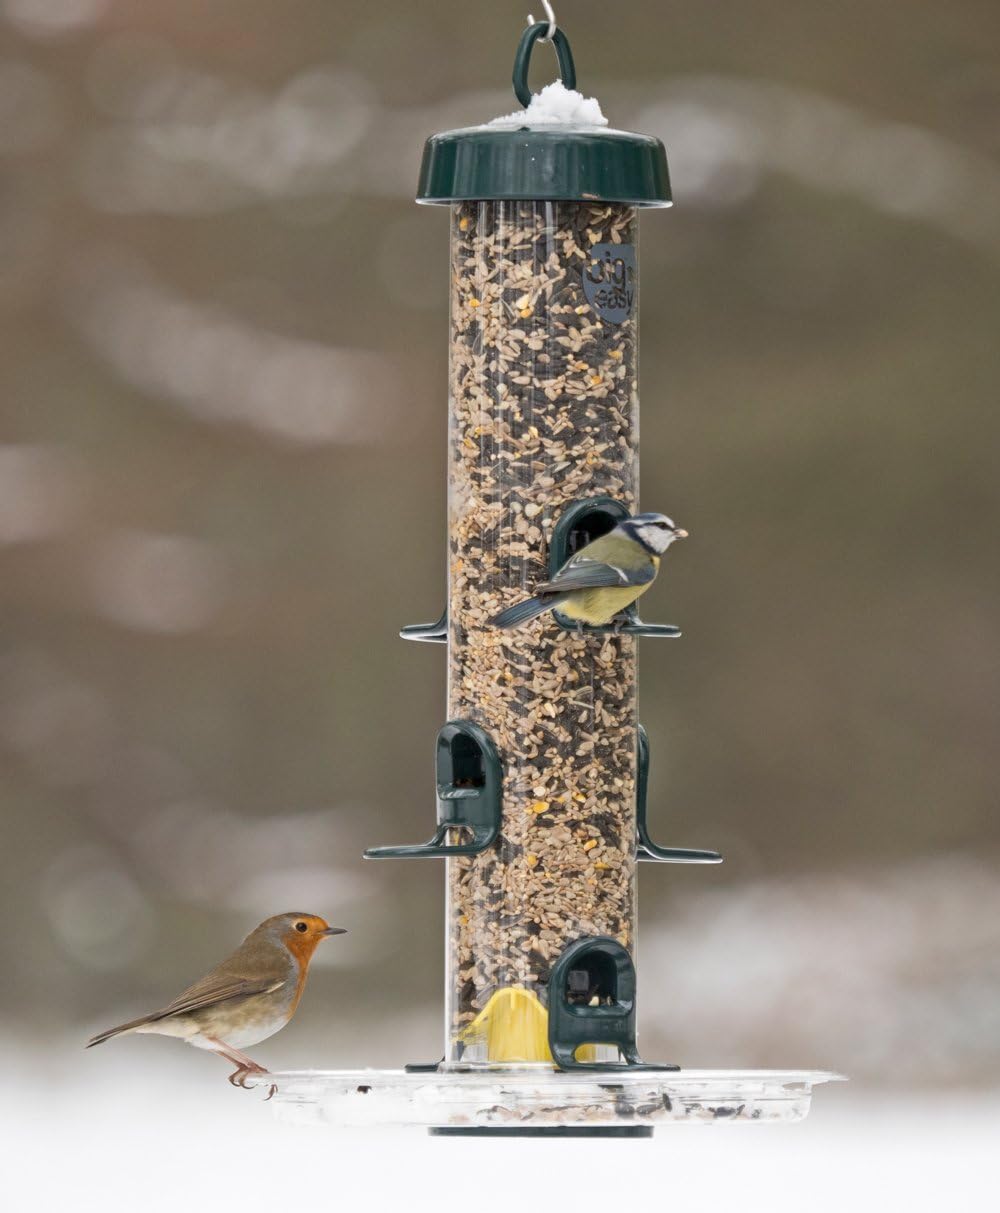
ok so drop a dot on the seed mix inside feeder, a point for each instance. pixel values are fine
(541, 769)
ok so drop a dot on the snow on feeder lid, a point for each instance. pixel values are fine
(559, 148)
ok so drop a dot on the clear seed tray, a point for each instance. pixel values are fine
(540, 1098)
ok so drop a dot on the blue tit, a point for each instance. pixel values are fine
(604, 577)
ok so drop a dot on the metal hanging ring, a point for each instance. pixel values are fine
(551, 16)
(567, 68)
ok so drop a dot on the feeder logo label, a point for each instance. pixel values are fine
(609, 281)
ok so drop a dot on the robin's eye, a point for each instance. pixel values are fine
(302, 926)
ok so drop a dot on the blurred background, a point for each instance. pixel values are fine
(222, 491)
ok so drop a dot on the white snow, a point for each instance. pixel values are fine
(142, 1131)
(556, 105)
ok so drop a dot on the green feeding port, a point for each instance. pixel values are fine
(592, 1002)
(460, 763)
(579, 524)
(427, 633)
(469, 782)
(645, 847)
(594, 982)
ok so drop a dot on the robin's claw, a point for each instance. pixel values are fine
(239, 1077)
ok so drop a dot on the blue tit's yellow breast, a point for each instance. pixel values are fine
(600, 606)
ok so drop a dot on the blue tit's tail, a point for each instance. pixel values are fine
(531, 608)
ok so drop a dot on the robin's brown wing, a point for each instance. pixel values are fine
(216, 988)
(213, 989)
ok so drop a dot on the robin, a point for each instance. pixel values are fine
(248, 997)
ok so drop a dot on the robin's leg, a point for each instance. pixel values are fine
(245, 1066)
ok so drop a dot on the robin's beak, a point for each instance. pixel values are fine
(680, 533)
(334, 931)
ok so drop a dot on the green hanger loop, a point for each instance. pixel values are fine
(567, 68)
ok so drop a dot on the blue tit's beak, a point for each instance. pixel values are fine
(334, 931)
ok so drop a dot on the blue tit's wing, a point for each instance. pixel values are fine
(584, 573)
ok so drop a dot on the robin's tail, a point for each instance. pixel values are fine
(132, 1024)
(531, 608)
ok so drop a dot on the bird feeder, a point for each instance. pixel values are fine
(542, 765)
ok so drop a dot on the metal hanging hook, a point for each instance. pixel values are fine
(551, 17)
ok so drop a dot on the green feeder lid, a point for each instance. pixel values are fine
(551, 162)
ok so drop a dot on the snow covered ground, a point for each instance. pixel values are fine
(116, 1137)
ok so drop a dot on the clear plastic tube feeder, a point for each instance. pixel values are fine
(541, 768)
